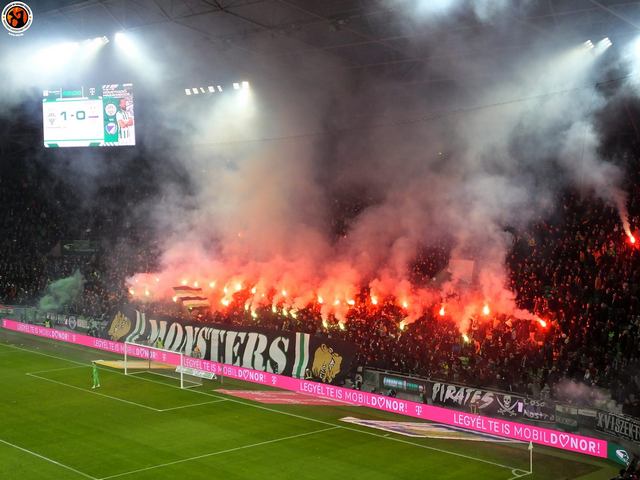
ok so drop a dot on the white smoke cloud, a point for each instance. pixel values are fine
(498, 159)
(478, 137)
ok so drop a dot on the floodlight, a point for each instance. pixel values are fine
(195, 91)
(100, 40)
(202, 90)
(187, 91)
(236, 86)
(211, 89)
(120, 38)
(219, 88)
(245, 85)
(589, 44)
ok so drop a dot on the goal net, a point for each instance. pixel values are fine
(143, 359)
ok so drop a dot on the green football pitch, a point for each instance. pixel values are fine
(54, 426)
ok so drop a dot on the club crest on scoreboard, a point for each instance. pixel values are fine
(426, 430)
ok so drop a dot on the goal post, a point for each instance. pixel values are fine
(144, 359)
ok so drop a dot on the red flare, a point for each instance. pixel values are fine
(632, 239)
(485, 310)
(542, 323)
(442, 312)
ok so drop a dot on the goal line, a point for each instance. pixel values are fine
(139, 359)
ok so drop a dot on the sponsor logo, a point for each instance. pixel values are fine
(623, 455)
(17, 18)
(326, 363)
(120, 326)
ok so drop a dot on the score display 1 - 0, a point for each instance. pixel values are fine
(88, 117)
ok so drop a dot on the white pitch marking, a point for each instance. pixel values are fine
(517, 475)
(94, 392)
(57, 369)
(229, 450)
(47, 459)
(192, 405)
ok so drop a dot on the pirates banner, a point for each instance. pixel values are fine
(287, 353)
(486, 402)
(491, 403)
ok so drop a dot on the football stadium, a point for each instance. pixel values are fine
(317, 239)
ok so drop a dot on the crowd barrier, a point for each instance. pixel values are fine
(513, 430)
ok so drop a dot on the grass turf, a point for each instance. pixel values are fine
(54, 426)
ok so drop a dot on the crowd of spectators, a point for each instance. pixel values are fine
(575, 268)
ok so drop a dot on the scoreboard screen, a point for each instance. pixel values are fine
(96, 116)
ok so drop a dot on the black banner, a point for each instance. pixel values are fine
(567, 418)
(404, 384)
(288, 353)
(618, 425)
(491, 403)
(79, 323)
(80, 247)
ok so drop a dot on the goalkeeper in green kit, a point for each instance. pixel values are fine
(95, 375)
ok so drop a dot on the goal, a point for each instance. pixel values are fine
(143, 359)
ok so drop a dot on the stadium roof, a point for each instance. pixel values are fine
(369, 36)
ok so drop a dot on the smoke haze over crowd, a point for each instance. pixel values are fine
(323, 186)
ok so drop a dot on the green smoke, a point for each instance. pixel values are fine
(62, 292)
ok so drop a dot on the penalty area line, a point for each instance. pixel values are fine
(192, 405)
(93, 392)
(212, 454)
(58, 369)
(47, 459)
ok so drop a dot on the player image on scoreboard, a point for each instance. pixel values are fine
(118, 110)
(89, 116)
